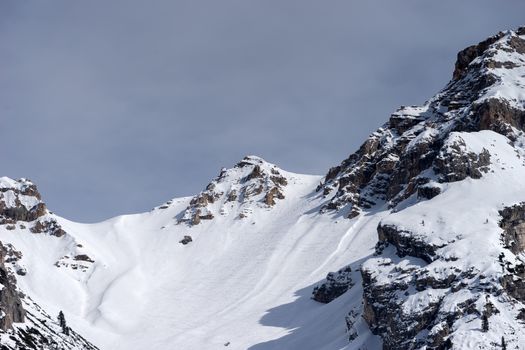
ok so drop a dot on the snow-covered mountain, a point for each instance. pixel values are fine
(23, 323)
(415, 241)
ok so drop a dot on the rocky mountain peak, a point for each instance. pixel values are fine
(252, 160)
(237, 191)
(412, 151)
(22, 185)
(486, 49)
(22, 205)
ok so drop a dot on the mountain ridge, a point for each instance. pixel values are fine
(415, 241)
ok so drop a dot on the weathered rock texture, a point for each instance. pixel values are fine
(414, 299)
(335, 285)
(406, 242)
(513, 225)
(10, 303)
(513, 238)
(252, 182)
(20, 202)
(415, 146)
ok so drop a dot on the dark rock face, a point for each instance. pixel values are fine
(513, 238)
(428, 191)
(494, 113)
(10, 302)
(514, 285)
(513, 225)
(11, 195)
(20, 213)
(197, 217)
(389, 286)
(335, 285)
(42, 332)
(384, 313)
(454, 163)
(466, 56)
(186, 240)
(232, 196)
(406, 242)
(83, 257)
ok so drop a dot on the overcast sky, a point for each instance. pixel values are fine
(113, 107)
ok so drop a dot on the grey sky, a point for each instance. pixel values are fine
(113, 107)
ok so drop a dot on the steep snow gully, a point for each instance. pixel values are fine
(415, 241)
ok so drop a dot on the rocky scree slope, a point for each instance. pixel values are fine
(448, 270)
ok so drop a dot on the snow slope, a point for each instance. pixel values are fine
(246, 282)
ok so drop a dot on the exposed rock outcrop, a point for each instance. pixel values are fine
(422, 286)
(418, 143)
(335, 285)
(185, 240)
(252, 182)
(410, 300)
(455, 162)
(406, 242)
(20, 201)
(513, 225)
(10, 302)
(383, 309)
(466, 56)
(513, 238)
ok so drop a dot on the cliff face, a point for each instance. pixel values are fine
(10, 297)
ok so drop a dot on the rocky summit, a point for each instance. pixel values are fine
(415, 241)
(252, 182)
